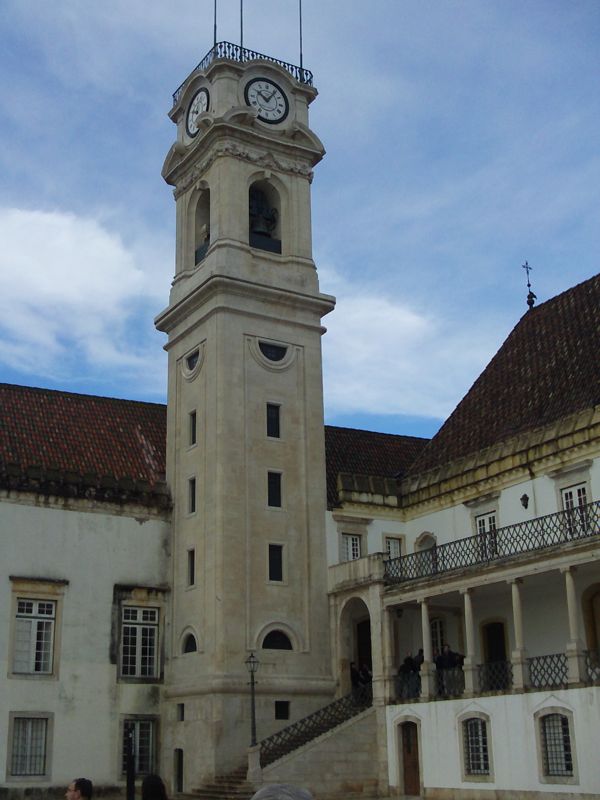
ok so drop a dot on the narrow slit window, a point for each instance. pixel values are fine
(192, 495)
(275, 562)
(273, 421)
(191, 567)
(274, 489)
(192, 428)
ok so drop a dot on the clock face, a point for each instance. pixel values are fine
(199, 104)
(268, 99)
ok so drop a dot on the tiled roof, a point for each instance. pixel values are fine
(367, 453)
(81, 434)
(547, 369)
(102, 436)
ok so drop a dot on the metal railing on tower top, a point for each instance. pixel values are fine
(233, 52)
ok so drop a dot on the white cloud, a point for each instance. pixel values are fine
(382, 356)
(70, 292)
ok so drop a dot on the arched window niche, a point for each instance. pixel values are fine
(264, 217)
(277, 640)
(202, 226)
(190, 645)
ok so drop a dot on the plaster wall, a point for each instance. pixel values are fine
(91, 550)
(511, 739)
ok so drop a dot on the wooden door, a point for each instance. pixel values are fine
(410, 758)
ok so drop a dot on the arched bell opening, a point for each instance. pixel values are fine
(202, 226)
(264, 217)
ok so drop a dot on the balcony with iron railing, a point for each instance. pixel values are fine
(233, 52)
(543, 672)
(541, 533)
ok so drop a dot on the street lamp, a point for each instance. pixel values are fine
(252, 663)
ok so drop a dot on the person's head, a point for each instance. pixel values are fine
(153, 788)
(80, 789)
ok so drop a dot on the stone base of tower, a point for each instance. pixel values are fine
(213, 737)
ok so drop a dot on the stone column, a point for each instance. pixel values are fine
(519, 654)
(387, 643)
(427, 676)
(575, 658)
(469, 665)
(377, 644)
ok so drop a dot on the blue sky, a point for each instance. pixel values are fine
(462, 139)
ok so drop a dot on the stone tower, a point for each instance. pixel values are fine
(245, 457)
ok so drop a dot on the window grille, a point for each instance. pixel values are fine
(556, 745)
(34, 636)
(139, 649)
(28, 755)
(477, 760)
(143, 744)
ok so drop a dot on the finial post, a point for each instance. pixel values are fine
(531, 297)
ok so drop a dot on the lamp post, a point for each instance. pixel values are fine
(252, 664)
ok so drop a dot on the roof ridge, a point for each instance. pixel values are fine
(64, 393)
(376, 433)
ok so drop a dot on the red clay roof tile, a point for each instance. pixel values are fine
(547, 369)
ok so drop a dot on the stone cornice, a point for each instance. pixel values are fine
(543, 451)
(526, 455)
(296, 154)
(221, 287)
(71, 489)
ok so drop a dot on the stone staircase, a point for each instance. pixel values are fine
(305, 730)
(232, 786)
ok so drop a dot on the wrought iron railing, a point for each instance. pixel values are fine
(495, 676)
(408, 685)
(233, 52)
(449, 682)
(548, 672)
(523, 537)
(592, 665)
(308, 728)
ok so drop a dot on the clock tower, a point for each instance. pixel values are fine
(245, 454)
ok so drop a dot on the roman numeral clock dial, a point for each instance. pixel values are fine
(268, 99)
(200, 103)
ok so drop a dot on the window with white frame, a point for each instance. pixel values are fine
(33, 650)
(574, 501)
(139, 739)
(557, 756)
(393, 546)
(351, 546)
(475, 747)
(486, 523)
(438, 634)
(139, 642)
(29, 737)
